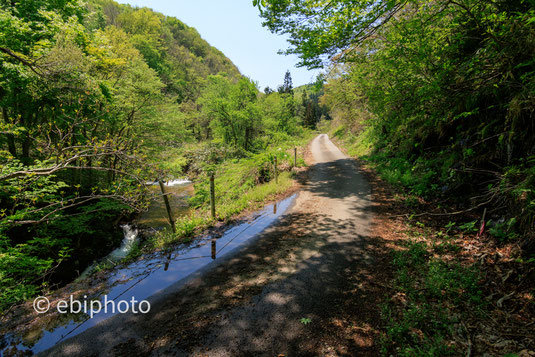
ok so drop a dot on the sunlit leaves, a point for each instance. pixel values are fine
(321, 30)
(232, 109)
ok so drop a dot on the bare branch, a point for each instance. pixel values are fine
(20, 59)
(75, 203)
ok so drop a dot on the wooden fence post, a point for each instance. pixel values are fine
(167, 206)
(212, 195)
(276, 171)
(295, 157)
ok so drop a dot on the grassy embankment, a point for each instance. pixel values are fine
(448, 286)
(241, 184)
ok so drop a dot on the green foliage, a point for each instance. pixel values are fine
(287, 86)
(235, 179)
(312, 109)
(469, 227)
(439, 99)
(317, 28)
(280, 117)
(503, 230)
(245, 182)
(435, 291)
(449, 226)
(241, 183)
(64, 96)
(231, 110)
(94, 100)
(20, 273)
(356, 145)
(186, 227)
(305, 321)
(97, 98)
(134, 252)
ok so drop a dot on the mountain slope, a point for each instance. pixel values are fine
(174, 50)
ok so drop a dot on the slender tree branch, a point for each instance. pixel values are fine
(20, 59)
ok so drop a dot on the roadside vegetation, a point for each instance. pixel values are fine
(437, 97)
(452, 290)
(434, 296)
(240, 184)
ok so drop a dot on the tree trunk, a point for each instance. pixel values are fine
(25, 148)
(25, 140)
(10, 137)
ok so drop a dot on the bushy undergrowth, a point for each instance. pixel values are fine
(451, 118)
(431, 295)
(434, 291)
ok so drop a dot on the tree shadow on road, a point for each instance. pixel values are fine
(254, 304)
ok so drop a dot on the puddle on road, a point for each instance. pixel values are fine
(144, 278)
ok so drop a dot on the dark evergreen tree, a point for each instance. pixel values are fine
(287, 87)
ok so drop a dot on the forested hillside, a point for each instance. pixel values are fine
(98, 98)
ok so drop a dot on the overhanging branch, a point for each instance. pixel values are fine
(20, 59)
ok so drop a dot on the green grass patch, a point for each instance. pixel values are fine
(241, 183)
(230, 201)
(357, 145)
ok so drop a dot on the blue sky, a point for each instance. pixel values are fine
(235, 28)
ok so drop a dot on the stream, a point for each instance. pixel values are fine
(154, 218)
(146, 277)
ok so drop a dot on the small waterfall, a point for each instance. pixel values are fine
(130, 237)
(177, 182)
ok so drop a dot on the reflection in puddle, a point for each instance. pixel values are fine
(145, 278)
(214, 248)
